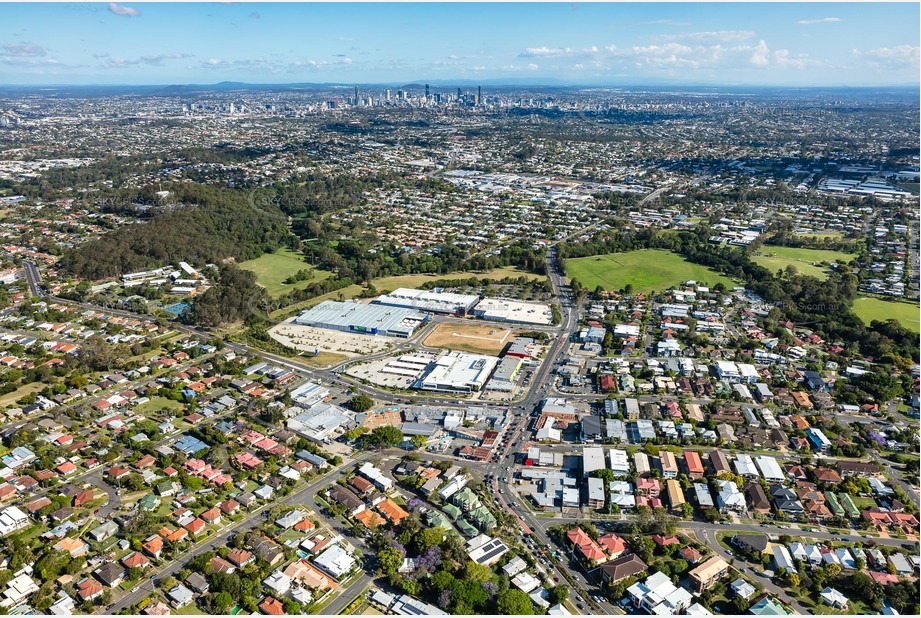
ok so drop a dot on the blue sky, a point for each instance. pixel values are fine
(744, 43)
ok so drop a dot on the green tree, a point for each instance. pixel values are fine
(385, 435)
(515, 602)
(389, 560)
(360, 403)
(477, 572)
(222, 602)
(559, 594)
(292, 607)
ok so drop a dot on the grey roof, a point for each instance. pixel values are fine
(704, 499)
(418, 429)
(190, 444)
(591, 426)
(506, 368)
(359, 317)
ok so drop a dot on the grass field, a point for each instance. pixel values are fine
(273, 268)
(401, 281)
(869, 309)
(475, 338)
(648, 270)
(828, 234)
(158, 403)
(805, 260)
(27, 389)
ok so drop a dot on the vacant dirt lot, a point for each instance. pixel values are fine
(475, 338)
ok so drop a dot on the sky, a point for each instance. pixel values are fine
(814, 44)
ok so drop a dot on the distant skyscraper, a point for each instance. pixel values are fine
(479, 95)
(388, 95)
(356, 95)
(458, 94)
(426, 91)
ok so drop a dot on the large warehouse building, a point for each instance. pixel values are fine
(360, 318)
(435, 301)
(505, 310)
(458, 372)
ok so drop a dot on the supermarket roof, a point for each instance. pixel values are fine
(424, 300)
(361, 316)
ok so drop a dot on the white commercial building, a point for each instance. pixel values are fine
(458, 372)
(320, 422)
(435, 301)
(505, 310)
(308, 394)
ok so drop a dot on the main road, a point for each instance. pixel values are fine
(522, 411)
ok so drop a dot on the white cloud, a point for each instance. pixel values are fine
(22, 50)
(824, 20)
(899, 57)
(218, 63)
(761, 55)
(716, 36)
(30, 55)
(124, 11)
(31, 62)
(545, 52)
(783, 59)
(158, 60)
(516, 67)
(325, 64)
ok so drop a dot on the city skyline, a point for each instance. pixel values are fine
(829, 44)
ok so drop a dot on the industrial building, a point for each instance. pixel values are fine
(505, 310)
(435, 301)
(352, 317)
(319, 422)
(458, 372)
